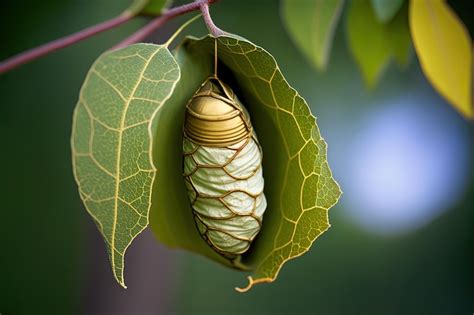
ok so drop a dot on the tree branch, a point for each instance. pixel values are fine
(138, 36)
(40, 51)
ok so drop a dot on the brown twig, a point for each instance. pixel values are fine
(37, 52)
(138, 36)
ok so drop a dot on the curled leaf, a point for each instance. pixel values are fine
(299, 185)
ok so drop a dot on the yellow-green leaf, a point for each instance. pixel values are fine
(112, 140)
(311, 25)
(299, 186)
(444, 48)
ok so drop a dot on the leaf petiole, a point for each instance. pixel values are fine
(180, 29)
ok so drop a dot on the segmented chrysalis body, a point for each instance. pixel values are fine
(223, 169)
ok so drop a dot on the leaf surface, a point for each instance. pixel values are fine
(444, 48)
(311, 25)
(385, 10)
(112, 139)
(299, 185)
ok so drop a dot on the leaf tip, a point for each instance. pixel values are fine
(321, 64)
(370, 82)
(119, 278)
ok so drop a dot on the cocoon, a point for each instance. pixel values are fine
(223, 169)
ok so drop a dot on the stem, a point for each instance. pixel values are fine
(35, 53)
(148, 29)
(138, 36)
(179, 30)
(215, 31)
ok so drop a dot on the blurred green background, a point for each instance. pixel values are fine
(402, 238)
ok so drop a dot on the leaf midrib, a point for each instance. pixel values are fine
(119, 154)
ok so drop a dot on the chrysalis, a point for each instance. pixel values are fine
(223, 169)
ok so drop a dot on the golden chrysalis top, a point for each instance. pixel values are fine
(215, 117)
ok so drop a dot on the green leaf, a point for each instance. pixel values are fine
(373, 43)
(367, 41)
(399, 36)
(149, 7)
(311, 25)
(299, 186)
(385, 10)
(112, 139)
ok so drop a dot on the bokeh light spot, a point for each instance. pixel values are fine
(408, 164)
